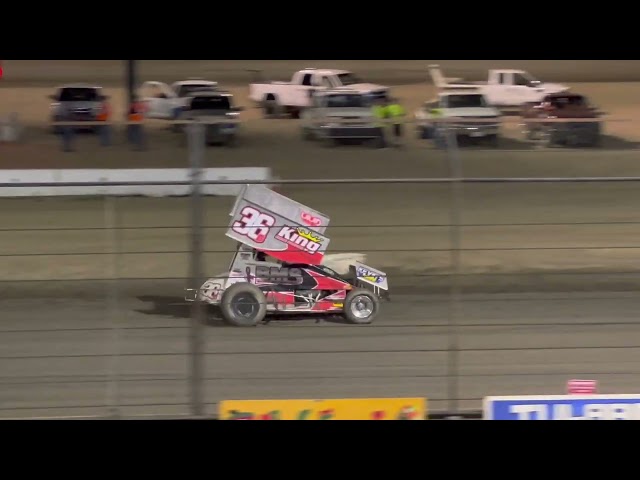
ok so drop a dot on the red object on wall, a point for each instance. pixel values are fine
(1, 71)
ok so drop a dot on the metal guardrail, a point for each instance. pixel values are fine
(332, 181)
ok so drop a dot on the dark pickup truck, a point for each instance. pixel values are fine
(573, 120)
(216, 108)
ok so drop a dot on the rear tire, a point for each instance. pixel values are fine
(361, 306)
(243, 305)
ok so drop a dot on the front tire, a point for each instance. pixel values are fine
(243, 305)
(361, 306)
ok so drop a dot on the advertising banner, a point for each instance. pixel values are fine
(326, 409)
(562, 407)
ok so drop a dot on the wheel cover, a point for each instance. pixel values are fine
(245, 305)
(362, 306)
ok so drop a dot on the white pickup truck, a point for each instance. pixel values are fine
(466, 112)
(503, 88)
(294, 96)
(162, 100)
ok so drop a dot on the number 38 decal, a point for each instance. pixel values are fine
(253, 224)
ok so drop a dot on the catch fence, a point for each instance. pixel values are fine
(454, 331)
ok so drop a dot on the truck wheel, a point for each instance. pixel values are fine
(243, 305)
(331, 142)
(271, 107)
(531, 134)
(231, 141)
(493, 141)
(361, 306)
(554, 139)
(56, 130)
(425, 133)
(307, 134)
(377, 142)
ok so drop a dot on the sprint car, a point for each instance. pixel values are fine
(278, 268)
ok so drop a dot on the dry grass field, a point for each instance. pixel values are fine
(237, 72)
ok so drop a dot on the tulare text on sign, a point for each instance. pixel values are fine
(563, 407)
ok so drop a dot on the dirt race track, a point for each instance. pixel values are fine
(549, 271)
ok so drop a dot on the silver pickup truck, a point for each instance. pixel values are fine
(340, 114)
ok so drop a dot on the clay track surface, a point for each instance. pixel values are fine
(548, 271)
(62, 363)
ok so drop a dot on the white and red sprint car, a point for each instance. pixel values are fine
(278, 266)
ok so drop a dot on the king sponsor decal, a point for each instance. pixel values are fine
(300, 238)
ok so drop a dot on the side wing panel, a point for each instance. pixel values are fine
(371, 276)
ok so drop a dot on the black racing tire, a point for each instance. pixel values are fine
(243, 305)
(361, 306)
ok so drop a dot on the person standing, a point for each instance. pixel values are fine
(396, 113)
(104, 115)
(380, 113)
(135, 117)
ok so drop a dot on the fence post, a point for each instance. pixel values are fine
(196, 152)
(112, 230)
(455, 172)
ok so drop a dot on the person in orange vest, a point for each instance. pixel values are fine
(135, 117)
(104, 115)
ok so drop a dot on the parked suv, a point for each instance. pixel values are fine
(77, 102)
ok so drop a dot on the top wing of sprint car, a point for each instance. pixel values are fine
(278, 226)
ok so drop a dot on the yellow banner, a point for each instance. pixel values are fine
(336, 409)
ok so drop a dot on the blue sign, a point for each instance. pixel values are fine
(563, 407)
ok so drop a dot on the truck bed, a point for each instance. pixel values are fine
(272, 82)
(287, 93)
